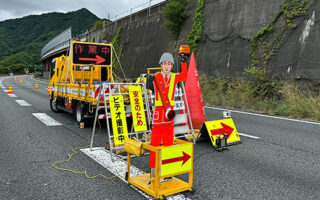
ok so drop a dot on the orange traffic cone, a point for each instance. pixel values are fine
(36, 87)
(48, 90)
(10, 90)
(194, 96)
(15, 78)
(20, 81)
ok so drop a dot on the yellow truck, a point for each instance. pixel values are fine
(76, 79)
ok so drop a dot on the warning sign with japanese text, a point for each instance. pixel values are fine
(176, 159)
(118, 118)
(137, 109)
(225, 126)
(91, 53)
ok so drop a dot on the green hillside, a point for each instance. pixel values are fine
(21, 40)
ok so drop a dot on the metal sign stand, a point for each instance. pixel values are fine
(114, 89)
(182, 165)
(183, 123)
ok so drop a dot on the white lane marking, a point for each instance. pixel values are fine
(23, 103)
(249, 136)
(5, 90)
(268, 116)
(46, 119)
(118, 167)
(2, 87)
(12, 95)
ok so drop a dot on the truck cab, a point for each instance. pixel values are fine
(75, 79)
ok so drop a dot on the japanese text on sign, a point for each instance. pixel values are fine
(137, 108)
(118, 118)
(90, 53)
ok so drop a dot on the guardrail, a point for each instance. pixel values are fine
(144, 6)
(58, 43)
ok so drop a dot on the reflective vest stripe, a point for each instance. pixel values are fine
(158, 101)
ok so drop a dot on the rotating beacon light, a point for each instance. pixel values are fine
(184, 53)
(184, 50)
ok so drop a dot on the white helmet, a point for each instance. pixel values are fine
(166, 57)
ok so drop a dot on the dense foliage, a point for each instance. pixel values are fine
(197, 27)
(118, 46)
(265, 44)
(98, 24)
(174, 13)
(21, 40)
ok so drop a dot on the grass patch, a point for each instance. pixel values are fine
(284, 98)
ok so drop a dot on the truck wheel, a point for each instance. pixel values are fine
(53, 106)
(80, 113)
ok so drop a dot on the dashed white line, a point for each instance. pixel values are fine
(5, 90)
(119, 166)
(46, 119)
(23, 103)
(267, 116)
(12, 95)
(249, 136)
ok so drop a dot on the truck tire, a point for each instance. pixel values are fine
(53, 106)
(80, 110)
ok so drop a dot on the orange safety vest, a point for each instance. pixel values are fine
(158, 101)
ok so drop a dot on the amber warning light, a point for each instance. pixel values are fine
(184, 50)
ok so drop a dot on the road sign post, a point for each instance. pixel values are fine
(170, 161)
(220, 129)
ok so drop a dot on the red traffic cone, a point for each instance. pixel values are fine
(194, 96)
(10, 90)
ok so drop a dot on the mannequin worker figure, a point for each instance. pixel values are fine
(164, 89)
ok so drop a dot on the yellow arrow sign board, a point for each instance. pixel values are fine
(176, 159)
(225, 126)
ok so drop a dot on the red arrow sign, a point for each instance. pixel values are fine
(184, 158)
(98, 59)
(225, 129)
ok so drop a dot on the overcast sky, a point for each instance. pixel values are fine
(10, 9)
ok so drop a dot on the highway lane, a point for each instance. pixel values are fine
(283, 163)
(28, 148)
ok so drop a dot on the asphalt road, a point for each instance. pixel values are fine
(283, 162)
